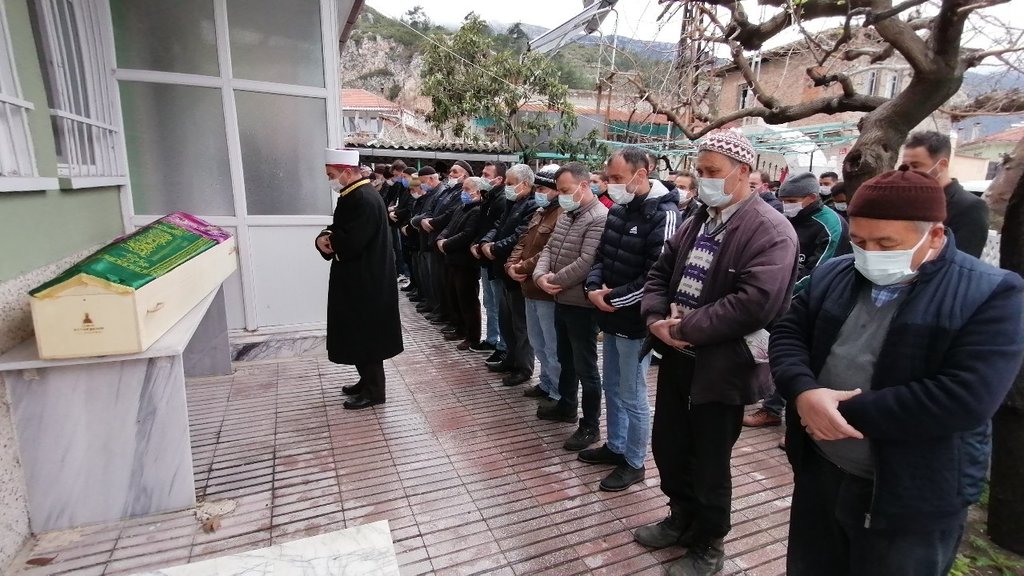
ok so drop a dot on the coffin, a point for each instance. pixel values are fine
(125, 296)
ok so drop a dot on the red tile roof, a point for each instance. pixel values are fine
(615, 114)
(1012, 135)
(358, 99)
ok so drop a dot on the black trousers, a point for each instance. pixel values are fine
(465, 299)
(827, 533)
(423, 283)
(576, 334)
(371, 380)
(439, 283)
(692, 447)
(512, 323)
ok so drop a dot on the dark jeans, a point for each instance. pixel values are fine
(576, 332)
(827, 533)
(396, 246)
(371, 380)
(413, 265)
(512, 322)
(465, 283)
(692, 447)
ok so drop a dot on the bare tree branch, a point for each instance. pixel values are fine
(902, 37)
(974, 58)
(992, 103)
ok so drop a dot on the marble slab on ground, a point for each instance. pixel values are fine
(363, 550)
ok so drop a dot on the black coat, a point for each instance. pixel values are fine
(447, 202)
(460, 234)
(967, 217)
(633, 239)
(362, 301)
(772, 200)
(506, 234)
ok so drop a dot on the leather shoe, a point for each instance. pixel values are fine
(360, 403)
(516, 378)
(352, 389)
(500, 367)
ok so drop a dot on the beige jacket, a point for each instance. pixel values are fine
(570, 252)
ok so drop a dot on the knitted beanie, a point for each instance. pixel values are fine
(901, 194)
(465, 166)
(731, 143)
(427, 171)
(799, 186)
(546, 176)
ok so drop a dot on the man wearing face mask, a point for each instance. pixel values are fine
(491, 210)
(686, 186)
(822, 234)
(496, 246)
(599, 186)
(644, 218)
(561, 271)
(363, 326)
(966, 214)
(894, 362)
(726, 275)
(540, 306)
(435, 217)
(429, 186)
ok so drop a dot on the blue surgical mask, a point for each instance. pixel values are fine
(427, 188)
(466, 198)
(541, 199)
(711, 191)
(568, 202)
(595, 188)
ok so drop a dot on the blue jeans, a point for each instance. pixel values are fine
(492, 302)
(540, 327)
(625, 389)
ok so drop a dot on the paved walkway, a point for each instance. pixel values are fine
(469, 479)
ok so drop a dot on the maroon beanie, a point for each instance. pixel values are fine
(902, 194)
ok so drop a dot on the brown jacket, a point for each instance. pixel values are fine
(523, 259)
(748, 287)
(571, 250)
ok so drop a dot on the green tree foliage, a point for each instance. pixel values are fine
(462, 93)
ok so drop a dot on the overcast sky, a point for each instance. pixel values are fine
(636, 18)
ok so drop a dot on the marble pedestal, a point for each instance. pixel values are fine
(107, 438)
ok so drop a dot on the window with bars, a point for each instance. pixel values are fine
(895, 84)
(871, 83)
(17, 159)
(79, 86)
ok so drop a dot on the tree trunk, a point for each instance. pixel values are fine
(1006, 488)
(883, 130)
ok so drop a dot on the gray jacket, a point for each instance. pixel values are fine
(570, 252)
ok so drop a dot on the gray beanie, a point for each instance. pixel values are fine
(800, 186)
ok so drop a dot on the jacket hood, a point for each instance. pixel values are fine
(658, 196)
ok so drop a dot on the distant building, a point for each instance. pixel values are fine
(368, 115)
(979, 159)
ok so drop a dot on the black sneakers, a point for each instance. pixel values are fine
(495, 359)
(672, 531)
(602, 455)
(483, 347)
(516, 378)
(556, 413)
(582, 438)
(621, 478)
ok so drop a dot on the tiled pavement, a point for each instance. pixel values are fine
(469, 479)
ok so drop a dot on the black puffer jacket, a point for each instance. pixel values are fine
(633, 239)
(491, 211)
(506, 234)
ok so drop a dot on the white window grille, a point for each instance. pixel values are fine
(871, 83)
(79, 86)
(17, 159)
(895, 84)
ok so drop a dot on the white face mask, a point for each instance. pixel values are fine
(711, 191)
(510, 193)
(619, 193)
(840, 206)
(791, 209)
(336, 186)
(452, 182)
(888, 267)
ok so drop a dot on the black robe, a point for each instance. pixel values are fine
(363, 325)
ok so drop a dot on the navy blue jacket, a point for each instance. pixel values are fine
(633, 239)
(506, 233)
(951, 354)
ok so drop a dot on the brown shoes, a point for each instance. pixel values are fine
(761, 418)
